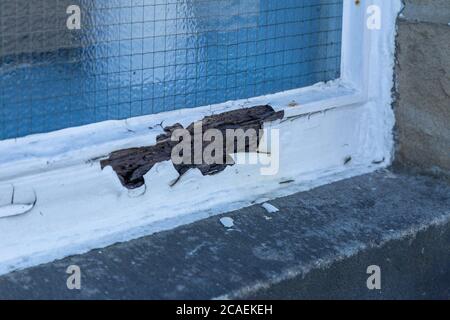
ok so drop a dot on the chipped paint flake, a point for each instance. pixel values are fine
(227, 222)
(270, 208)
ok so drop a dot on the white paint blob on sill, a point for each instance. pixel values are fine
(227, 222)
(270, 208)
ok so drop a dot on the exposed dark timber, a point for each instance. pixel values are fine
(132, 164)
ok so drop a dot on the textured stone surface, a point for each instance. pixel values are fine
(423, 86)
(319, 244)
(412, 268)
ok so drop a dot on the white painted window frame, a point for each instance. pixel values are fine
(350, 89)
(84, 207)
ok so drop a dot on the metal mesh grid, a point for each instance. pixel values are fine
(137, 57)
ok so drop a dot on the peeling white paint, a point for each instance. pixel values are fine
(16, 201)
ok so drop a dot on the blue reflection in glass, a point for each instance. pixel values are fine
(138, 57)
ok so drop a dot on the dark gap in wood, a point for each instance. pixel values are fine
(132, 164)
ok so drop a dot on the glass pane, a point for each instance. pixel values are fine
(138, 57)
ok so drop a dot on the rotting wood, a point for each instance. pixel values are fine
(132, 164)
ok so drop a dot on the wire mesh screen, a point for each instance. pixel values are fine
(136, 57)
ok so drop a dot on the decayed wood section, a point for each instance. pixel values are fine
(132, 164)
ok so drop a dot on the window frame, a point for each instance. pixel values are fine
(75, 145)
(352, 87)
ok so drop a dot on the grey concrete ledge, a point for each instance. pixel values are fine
(318, 245)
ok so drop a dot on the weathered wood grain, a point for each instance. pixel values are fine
(132, 164)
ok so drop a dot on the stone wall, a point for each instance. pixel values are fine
(423, 86)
